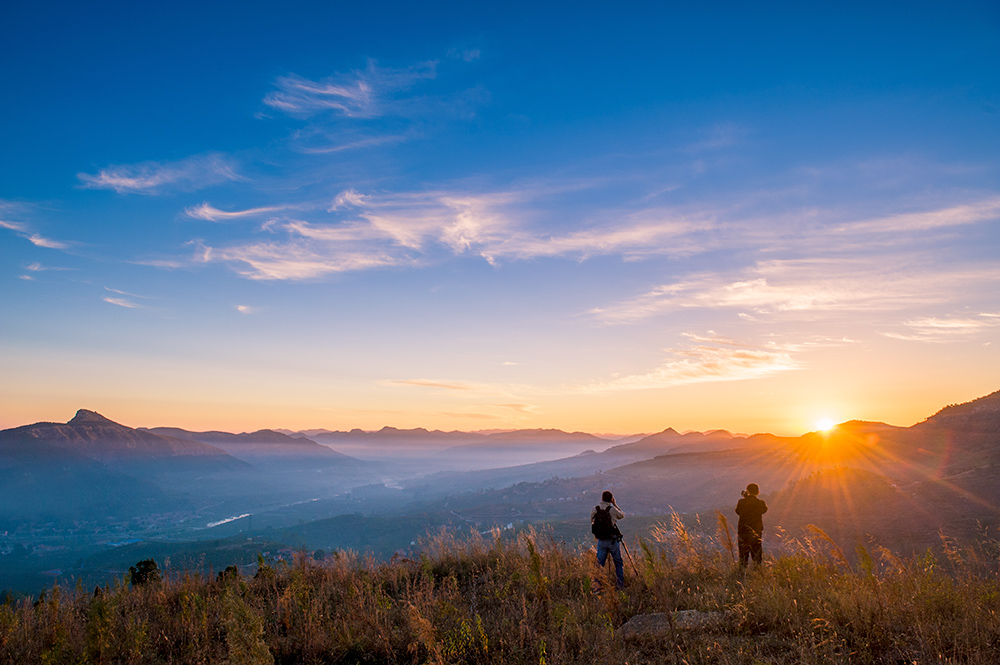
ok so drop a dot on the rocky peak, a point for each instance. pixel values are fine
(85, 417)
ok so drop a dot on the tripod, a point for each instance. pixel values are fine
(621, 540)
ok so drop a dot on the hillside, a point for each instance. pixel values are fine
(528, 599)
(980, 416)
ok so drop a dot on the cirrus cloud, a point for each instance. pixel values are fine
(704, 363)
(155, 177)
(35, 239)
(831, 284)
(365, 93)
(944, 329)
(211, 214)
(412, 229)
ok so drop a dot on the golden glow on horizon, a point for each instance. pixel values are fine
(203, 395)
(824, 424)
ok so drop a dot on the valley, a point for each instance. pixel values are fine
(82, 501)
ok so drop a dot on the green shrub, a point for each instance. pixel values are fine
(144, 572)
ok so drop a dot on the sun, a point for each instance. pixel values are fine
(824, 424)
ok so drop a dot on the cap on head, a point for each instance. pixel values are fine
(753, 489)
(607, 496)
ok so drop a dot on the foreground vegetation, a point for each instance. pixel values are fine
(530, 599)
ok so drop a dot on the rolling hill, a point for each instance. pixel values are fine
(264, 447)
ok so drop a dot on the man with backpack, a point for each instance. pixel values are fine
(603, 524)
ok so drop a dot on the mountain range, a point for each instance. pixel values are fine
(263, 446)
(858, 480)
(91, 435)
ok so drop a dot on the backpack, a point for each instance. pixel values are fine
(603, 526)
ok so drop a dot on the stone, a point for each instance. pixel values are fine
(658, 623)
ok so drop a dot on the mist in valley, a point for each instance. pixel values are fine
(86, 499)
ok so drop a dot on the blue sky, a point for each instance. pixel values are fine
(579, 216)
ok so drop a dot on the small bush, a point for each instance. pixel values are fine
(144, 572)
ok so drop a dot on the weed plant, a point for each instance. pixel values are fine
(530, 599)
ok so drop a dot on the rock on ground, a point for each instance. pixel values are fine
(659, 622)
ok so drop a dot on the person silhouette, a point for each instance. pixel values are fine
(751, 526)
(603, 519)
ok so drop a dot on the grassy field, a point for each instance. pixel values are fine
(531, 598)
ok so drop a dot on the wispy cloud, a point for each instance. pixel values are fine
(167, 264)
(124, 293)
(427, 383)
(123, 298)
(409, 229)
(347, 198)
(958, 215)
(704, 363)
(520, 408)
(36, 239)
(940, 330)
(370, 107)
(121, 302)
(809, 285)
(297, 260)
(384, 232)
(325, 143)
(14, 226)
(497, 236)
(35, 266)
(366, 93)
(714, 358)
(245, 309)
(827, 266)
(40, 241)
(211, 214)
(155, 177)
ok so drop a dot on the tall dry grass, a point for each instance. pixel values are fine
(530, 599)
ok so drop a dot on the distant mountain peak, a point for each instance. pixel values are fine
(670, 431)
(86, 417)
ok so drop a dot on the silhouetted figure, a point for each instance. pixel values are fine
(751, 510)
(603, 519)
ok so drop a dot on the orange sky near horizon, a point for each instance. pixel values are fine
(788, 404)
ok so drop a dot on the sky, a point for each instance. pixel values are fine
(613, 218)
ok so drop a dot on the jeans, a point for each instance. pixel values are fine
(614, 548)
(749, 541)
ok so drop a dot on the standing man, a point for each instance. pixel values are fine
(603, 524)
(751, 510)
